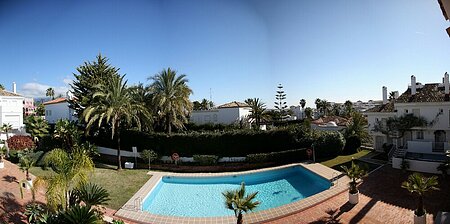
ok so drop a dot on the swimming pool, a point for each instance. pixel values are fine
(202, 196)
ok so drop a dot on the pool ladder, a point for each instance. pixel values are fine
(334, 179)
(137, 203)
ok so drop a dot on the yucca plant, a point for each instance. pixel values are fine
(237, 201)
(354, 172)
(418, 184)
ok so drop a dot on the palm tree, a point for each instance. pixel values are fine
(115, 105)
(357, 127)
(37, 127)
(303, 103)
(308, 113)
(68, 132)
(419, 184)
(348, 108)
(50, 92)
(258, 109)
(392, 96)
(171, 96)
(237, 201)
(354, 172)
(91, 195)
(71, 171)
(26, 163)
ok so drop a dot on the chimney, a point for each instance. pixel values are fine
(446, 84)
(14, 87)
(413, 85)
(385, 95)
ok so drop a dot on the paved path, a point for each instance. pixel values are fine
(11, 204)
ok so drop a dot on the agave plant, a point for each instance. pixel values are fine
(419, 185)
(237, 201)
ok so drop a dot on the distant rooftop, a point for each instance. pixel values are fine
(384, 108)
(7, 93)
(432, 92)
(233, 104)
(55, 101)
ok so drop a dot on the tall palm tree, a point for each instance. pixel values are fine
(308, 113)
(419, 184)
(171, 96)
(348, 108)
(357, 127)
(71, 170)
(303, 103)
(50, 92)
(257, 110)
(115, 105)
(237, 201)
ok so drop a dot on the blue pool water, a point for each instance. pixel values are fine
(202, 196)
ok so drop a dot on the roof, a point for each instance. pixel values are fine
(233, 104)
(431, 92)
(340, 121)
(55, 101)
(7, 93)
(384, 108)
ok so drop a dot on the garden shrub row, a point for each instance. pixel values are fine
(206, 159)
(281, 156)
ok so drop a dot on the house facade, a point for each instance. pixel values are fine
(58, 109)
(228, 113)
(11, 108)
(28, 106)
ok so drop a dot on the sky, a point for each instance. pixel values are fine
(230, 50)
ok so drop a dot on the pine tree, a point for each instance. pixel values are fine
(280, 104)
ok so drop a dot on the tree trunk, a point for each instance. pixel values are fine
(119, 159)
(239, 219)
(420, 210)
(168, 126)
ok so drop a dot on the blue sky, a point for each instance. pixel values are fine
(334, 50)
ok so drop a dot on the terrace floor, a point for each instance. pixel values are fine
(11, 203)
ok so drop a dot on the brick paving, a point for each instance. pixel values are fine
(11, 204)
(382, 200)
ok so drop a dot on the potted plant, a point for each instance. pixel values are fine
(237, 201)
(26, 162)
(2, 155)
(404, 165)
(443, 168)
(418, 184)
(355, 173)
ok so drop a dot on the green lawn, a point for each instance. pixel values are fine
(343, 159)
(120, 185)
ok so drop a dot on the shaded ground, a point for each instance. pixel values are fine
(11, 203)
(382, 200)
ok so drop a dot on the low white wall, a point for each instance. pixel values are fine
(417, 165)
(420, 147)
(165, 159)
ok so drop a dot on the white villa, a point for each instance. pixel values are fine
(58, 109)
(228, 113)
(11, 108)
(429, 143)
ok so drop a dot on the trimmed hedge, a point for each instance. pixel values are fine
(282, 156)
(329, 143)
(206, 159)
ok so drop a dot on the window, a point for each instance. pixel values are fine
(406, 111)
(419, 134)
(48, 113)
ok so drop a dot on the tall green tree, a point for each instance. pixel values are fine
(309, 113)
(280, 103)
(257, 111)
(303, 103)
(357, 127)
(115, 106)
(88, 77)
(68, 132)
(171, 98)
(239, 202)
(50, 92)
(348, 107)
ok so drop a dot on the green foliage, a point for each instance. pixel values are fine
(420, 185)
(443, 168)
(206, 159)
(20, 142)
(36, 213)
(404, 165)
(26, 161)
(281, 156)
(149, 155)
(171, 99)
(239, 201)
(89, 75)
(258, 111)
(397, 126)
(80, 214)
(50, 92)
(37, 127)
(280, 103)
(68, 133)
(352, 144)
(3, 152)
(323, 107)
(329, 143)
(40, 110)
(203, 105)
(354, 172)
(357, 127)
(91, 195)
(115, 221)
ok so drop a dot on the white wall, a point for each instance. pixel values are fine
(11, 111)
(417, 165)
(57, 111)
(219, 116)
(430, 111)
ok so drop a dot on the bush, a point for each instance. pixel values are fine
(206, 159)
(328, 144)
(20, 142)
(352, 144)
(293, 155)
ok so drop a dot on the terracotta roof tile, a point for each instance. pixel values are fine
(233, 104)
(384, 108)
(341, 121)
(55, 101)
(7, 93)
(428, 93)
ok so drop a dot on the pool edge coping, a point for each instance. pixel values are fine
(129, 211)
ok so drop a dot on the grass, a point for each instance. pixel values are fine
(121, 186)
(344, 159)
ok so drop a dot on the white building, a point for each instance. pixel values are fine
(298, 112)
(363, 106)
(225, 114)
(430, 101)
(11, 108)
(58, 109)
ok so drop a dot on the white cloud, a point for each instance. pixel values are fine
(34, 89)
(67, 81)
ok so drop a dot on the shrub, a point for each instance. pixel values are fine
(352, 144)
(328, 144)
(281, 156)
(258, 158)
(206, 159)
(20, 142)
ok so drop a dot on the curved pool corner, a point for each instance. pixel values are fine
(133, 209)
